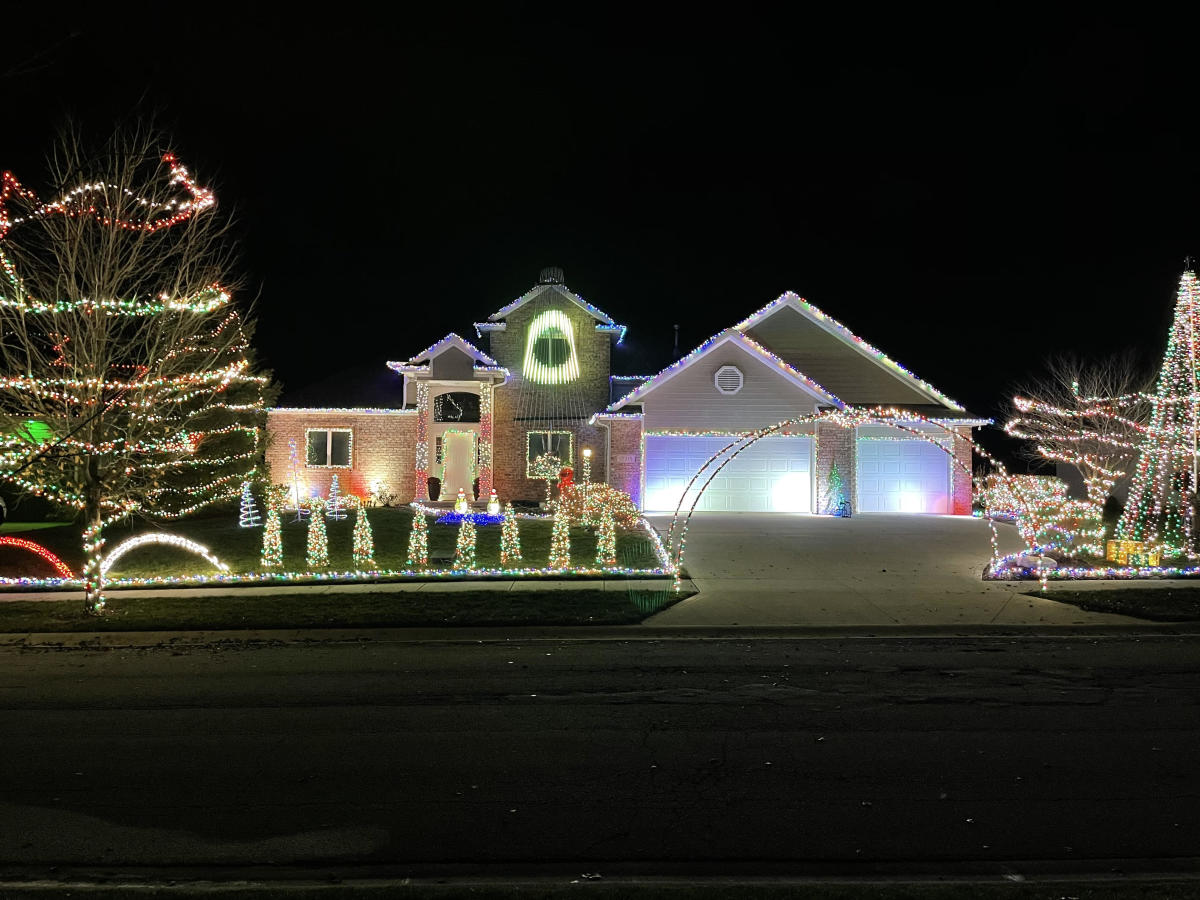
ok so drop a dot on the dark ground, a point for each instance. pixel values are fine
(782, 755)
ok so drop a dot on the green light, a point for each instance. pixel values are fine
(550, 356)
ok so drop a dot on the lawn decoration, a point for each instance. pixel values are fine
(464, 549)
(318, 541)
(418, 542)
(364, 541)
(606, 539)
(510, 538)
(63, 570)
(302, 511)
(272, 548)
(157, 537)
(461, 503)
(836, 501)
(1159, 511)
(583, 504)
(335, 508)
(560, 541)
(493, 504)
(546, 467)
(248, 514)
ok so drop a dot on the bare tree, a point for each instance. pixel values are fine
(1087, 415)
(126, 378)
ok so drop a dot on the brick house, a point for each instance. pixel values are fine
(541, 393)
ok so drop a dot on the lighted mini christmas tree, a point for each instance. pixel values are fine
(606, 539)
(318, 543)
(560, 541)
(272, 548)
(510, 538)
(364, 541)
(835, 497)
(418, 542)
(335, 507)
(1160, 499)
(464, 550)
(248, 515)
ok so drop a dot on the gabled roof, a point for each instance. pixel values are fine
(755, 349)
(563, 291)
(453, 340)
(792, 301)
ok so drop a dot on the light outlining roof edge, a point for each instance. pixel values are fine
(837, 329)
(746, 342)
(594, 311)
(453, 340)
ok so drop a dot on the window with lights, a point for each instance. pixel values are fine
(328, 448)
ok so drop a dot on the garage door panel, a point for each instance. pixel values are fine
(903, 476)
(774, 474)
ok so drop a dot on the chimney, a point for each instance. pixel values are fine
(551, 275)
(675, 352)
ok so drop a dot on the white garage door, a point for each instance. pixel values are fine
(903, 476)
(773, 475)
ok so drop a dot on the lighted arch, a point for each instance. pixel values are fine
(551, 329)
(59, 566)
(158, 537)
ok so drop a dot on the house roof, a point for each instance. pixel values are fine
(757, 350)
(451, 340)
(859, 387)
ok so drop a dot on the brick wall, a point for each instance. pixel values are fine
(835, 444)
(960, 481)
(625, 456)
(383, 446)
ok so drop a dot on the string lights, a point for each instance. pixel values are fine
(60, 567)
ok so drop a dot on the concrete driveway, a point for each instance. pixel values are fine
(777, 569)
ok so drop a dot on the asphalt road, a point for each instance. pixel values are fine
(769, 754)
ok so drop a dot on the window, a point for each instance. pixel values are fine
(548, 451)
(457, 406)
(328, 448)
(437, 449)
(728, 379)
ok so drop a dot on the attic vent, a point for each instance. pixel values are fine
(728, 379)
(551, 275)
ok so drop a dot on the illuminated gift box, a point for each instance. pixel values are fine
(1132, 553)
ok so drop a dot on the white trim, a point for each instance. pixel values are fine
(329, 447)
(832, 326)
(741, 380)
(452, 340)
(566, 292)
(753, 349)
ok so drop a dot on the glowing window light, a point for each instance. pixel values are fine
(158, 537)
(550, 356)
(59, 566)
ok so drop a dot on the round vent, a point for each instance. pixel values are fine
(728, 379)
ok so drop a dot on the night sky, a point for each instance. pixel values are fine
(972, 196)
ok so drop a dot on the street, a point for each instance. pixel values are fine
(775, 752)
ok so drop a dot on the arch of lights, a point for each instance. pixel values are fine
(61, 567)
(158, 537)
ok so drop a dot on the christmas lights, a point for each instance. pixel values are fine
(364, 542)
(560, 541)
(248, 514)
(510, 538)
(335, 508)
(550, 356)
(60, 567)
(606, 539)
(272, 548)
(157, 537)
(464, 548)
(318, 542)
(418, 542)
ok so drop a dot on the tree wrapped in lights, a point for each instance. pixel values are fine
(272, 548)
(510, 538)
(560, 540)
(364, 541)
(418, 542)
(1089, 417)
(836, 503)
(318, 541)
(118, 337)
(1159, 511)
(606, 539)
(335, 508)
(464, 549)
(248, 513)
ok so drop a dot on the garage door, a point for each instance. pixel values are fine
(903, 476)
(773, 475)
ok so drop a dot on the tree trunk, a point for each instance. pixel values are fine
(93, 542)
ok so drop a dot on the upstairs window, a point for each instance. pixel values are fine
(328, 448)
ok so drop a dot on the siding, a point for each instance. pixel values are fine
(452, 365)
(830, 361)
(690, 401)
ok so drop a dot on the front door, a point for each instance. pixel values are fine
(458, 451)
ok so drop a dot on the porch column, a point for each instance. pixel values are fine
(961, 487)
(485, 440)
(421, 456)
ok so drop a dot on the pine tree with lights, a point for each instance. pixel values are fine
(835, 496)
(464, 550)
(606, 539)
(335, 507)
(560, 540)
(510, 538)
(1159, 510)
(318, 541)
(418, 542)
(272, 548)
(364, 541)
(121, 342)
(248, 514)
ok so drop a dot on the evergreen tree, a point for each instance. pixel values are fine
(464, 550)
(318, 542)
(560, 540)
(364, 541)
(418, 542)
(510, 538)
(272, 549)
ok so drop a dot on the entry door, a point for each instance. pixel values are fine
(458, 452)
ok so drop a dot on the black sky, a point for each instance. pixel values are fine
(971, 195)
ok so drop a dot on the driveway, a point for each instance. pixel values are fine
(876, 569)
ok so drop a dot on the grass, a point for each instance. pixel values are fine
(1155, 604)
(345, 609)
(240, 548)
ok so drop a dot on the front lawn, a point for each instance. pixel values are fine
(240, 548)
(342, 609)
(1156, 604)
